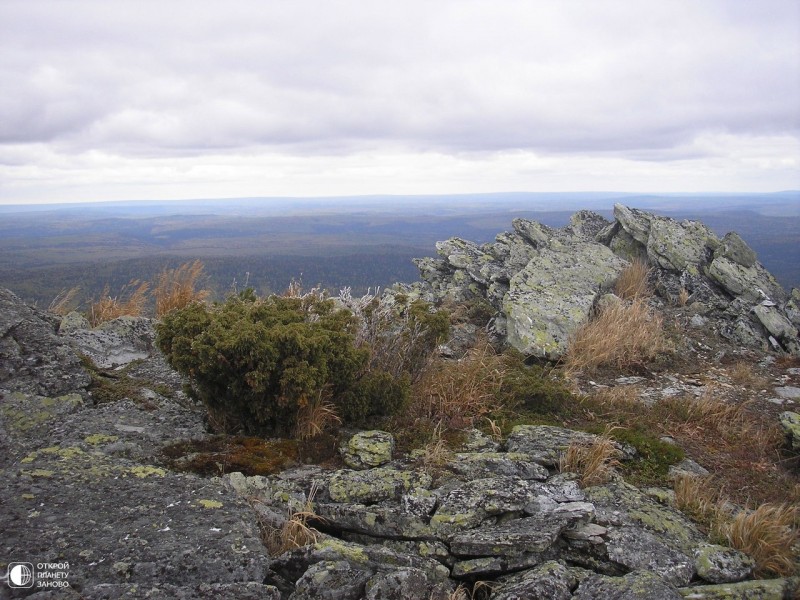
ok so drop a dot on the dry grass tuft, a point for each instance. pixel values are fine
(130, 301)
(632, 281)
(435, 454)
(744, 374)
(699, 498)
(622, 335)
(177, 288)
(461, 392)
(296, 532)
(768, 534)
(683, 297)
(62, 303)
(315, 416)
(594, 462)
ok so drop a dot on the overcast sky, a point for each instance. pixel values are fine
(113, 100)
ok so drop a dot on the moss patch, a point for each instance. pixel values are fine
(218, 455)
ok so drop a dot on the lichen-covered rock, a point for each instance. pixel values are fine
(779, 326)
(639, 585)
(374, 485)
(619, 504)
(368, 449)
(549, 581)
(520, 536)
(718, 564)
(471, 503)
(638, 549)
(733, 247)
(679, 246)
(554, 294)
(478, 465)
(790, 421)
(753, 284)
(545, 444)
(545, 282)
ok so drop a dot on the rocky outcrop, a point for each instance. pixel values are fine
(544, 283)
(83, 485)
(394, 531)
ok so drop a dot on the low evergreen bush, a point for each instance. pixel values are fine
(253, 362)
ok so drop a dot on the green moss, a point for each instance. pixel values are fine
(147, 471)
(209, 503)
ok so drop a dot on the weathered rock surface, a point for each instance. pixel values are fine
(544, 283)
(82, 483)
(86, 484)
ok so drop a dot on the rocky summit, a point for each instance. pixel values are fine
(544, 283)
(92, 500)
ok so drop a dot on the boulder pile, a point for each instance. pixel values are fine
(544, 283)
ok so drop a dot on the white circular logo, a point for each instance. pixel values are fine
(20, 575)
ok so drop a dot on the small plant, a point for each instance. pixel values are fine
(632, 281)
(315, 416)
(593, 462)
(297, 531)
(176, 288)
(699, 498)
(62, 303)
(768, 534)
(130, 301)
(624, 334)
(683, 297)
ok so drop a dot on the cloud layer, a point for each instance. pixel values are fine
(111, 100)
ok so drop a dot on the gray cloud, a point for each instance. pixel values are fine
(184, 78)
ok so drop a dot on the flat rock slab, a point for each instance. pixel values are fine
(788, 392)
(528, 535)
(544, 444)
(117, 522)
(637, 549)
(639, 585)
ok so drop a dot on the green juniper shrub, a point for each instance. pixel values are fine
(253, 360)
(377, 394)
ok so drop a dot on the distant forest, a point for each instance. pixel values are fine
(359, 245)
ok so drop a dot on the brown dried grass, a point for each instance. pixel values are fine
(632, 281)
(768, 534)
(315, 416)
(177, 288)
(295, 532)
(457, 393)
(593, 462)
(744, 374)
(700, 499)
(621, 336)
(130, 301)
(62, 303)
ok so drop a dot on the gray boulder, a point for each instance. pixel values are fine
(554, 294)
(639, 585)
(115, 343)
(33, 359)
(549, 581)
(718, 564)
